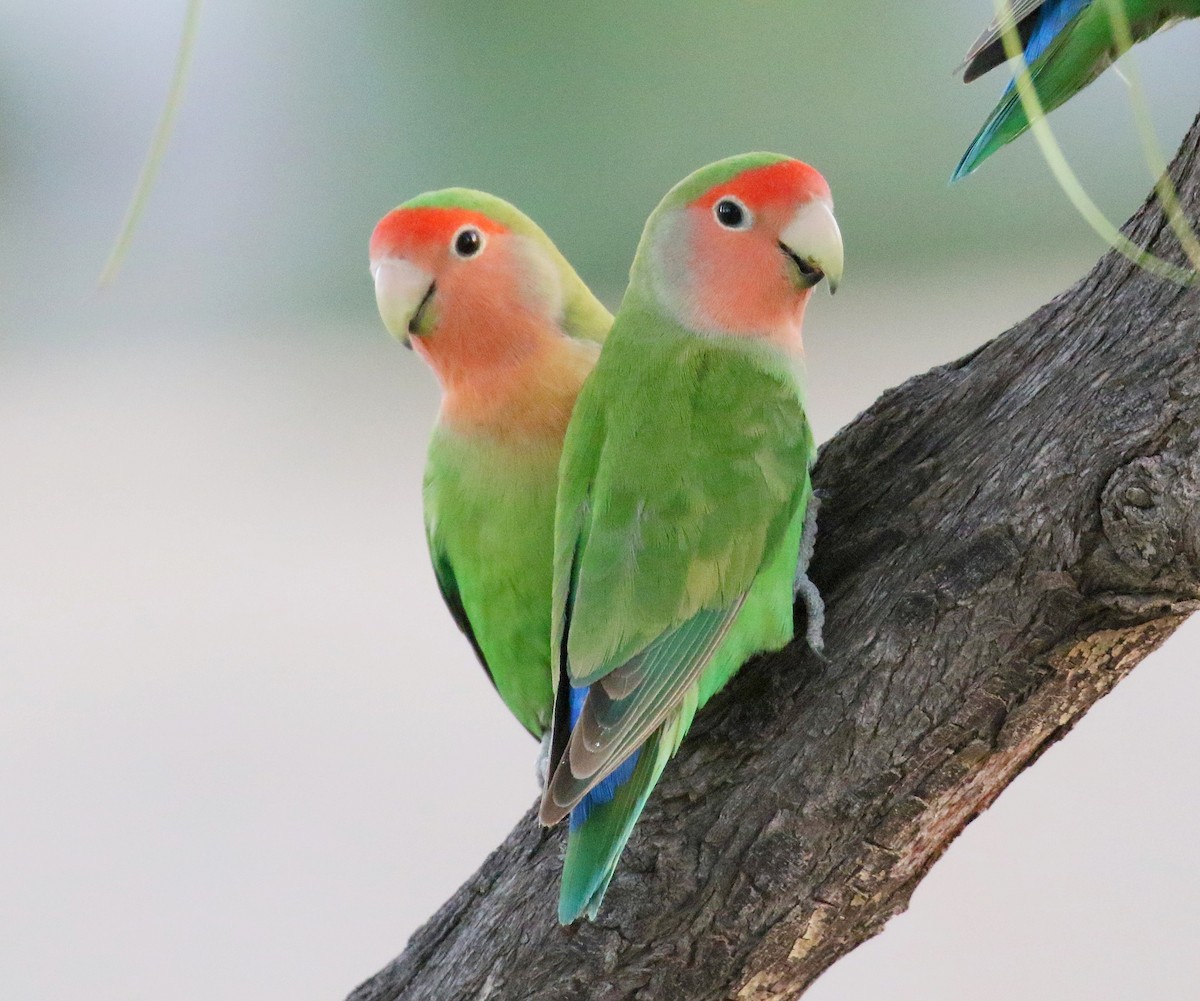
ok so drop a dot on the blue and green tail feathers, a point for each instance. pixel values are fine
(599, 828)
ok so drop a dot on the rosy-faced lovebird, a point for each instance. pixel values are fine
(1067, 44)
(683, 492)
(511, 332)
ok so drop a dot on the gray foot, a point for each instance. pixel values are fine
(804, 588)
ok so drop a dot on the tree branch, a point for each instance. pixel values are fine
(1002, 540)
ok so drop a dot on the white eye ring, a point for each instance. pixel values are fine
(740, 219)
(467, 251)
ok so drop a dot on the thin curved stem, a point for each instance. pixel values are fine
(1057, 161)
(1151, 149)
(158, 146)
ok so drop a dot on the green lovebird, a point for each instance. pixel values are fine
(511, 331)
(683, 492)
(1067, 44)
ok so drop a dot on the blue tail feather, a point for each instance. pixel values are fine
(607, 789)
(1052, 19)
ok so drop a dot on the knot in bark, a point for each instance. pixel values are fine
(1150, 515)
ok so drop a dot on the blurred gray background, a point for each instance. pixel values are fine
(230, 699)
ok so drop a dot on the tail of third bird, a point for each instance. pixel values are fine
(1007, 121)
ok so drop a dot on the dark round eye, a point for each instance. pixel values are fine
(731, 214)
(468, 242)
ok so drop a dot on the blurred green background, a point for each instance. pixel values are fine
(231, 704)
(303, 122)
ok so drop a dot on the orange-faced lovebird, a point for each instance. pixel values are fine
(683, 492)
(511, 332)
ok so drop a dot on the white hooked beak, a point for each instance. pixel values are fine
(814, 242)
(402, 291)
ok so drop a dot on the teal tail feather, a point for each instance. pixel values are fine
(1004, 124)
(594, 848)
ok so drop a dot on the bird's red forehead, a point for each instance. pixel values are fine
(403, 229)
(787, 181)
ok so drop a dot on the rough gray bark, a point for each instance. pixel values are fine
(1002, 540)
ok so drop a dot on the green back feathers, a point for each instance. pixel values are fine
(733, 410)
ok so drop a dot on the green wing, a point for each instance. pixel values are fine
(448, 585)
(626, 706)
(489, 514)
(667, 510)
(678, 496)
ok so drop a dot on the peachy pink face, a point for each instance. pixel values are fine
(429, 250)
(458, 286)
(756, 246)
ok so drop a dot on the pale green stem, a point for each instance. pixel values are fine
(1167, 195)
(1062, 171)
(158, 146)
